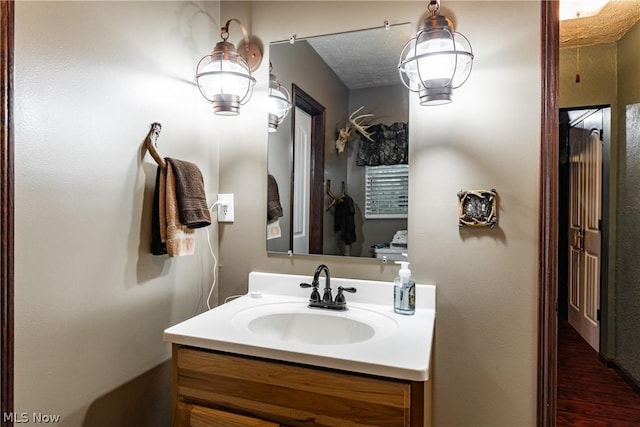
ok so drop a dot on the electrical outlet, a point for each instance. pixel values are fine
(225, 208)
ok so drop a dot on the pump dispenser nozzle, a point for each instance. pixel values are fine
(404, 272)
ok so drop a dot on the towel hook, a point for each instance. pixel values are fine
(151, 141)
(334, 199)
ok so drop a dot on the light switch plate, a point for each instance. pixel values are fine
(225, 208)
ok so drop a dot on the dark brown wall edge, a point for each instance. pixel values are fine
(6, 209)
(548, 239)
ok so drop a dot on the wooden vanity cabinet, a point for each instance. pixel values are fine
(219, 389)
(202, 416)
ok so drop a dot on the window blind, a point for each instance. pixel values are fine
(386, 191)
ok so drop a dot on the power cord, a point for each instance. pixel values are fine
(213, 255)
(231, 297)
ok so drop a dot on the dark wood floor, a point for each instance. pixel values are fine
(589, 394)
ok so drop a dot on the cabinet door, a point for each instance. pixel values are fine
(295, 395)
(207, 417)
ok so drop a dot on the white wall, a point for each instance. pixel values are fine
(91, 302)
(486, 339)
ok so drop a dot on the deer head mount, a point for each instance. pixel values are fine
(355, 123)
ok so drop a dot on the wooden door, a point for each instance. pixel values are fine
(303, 102)
(585, 190)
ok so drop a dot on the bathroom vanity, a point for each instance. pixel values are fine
(266, 359)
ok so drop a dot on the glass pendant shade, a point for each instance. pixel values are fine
(224, 76)
(279, 103)
(436, 61)
(224, 79)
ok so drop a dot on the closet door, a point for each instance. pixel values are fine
(584, 232)
(301, 181)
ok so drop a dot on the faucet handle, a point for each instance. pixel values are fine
(315, 295)
(340, 299)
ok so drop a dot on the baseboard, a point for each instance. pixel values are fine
(628, 378)
(606, 362)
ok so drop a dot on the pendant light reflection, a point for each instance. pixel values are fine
(279, 101)
(437, 60)
(224, 76)
(575, 9)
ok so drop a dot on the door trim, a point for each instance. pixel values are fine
(548, 226)
(309, 105)
(7, 205)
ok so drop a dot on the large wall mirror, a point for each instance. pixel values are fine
(326, 207)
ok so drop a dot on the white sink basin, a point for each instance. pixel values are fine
(297, 323)
(311, 329)
(273, 321)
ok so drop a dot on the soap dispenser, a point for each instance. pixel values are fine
(404, 291)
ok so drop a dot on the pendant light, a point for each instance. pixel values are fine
(279, 101)
(224, 76)
(437, 60)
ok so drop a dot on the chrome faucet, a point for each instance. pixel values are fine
(327, 301)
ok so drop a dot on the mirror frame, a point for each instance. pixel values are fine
(7, 208)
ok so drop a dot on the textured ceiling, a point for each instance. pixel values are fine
(364, 58)
(613, 22)
(369, 57)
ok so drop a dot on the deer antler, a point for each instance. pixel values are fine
(355, 123)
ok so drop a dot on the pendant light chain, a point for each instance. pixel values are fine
(578, 49)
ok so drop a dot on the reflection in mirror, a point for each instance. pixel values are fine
(351, 192)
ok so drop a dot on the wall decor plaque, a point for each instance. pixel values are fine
(477, 208)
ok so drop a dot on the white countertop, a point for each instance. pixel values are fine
(402, 352)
